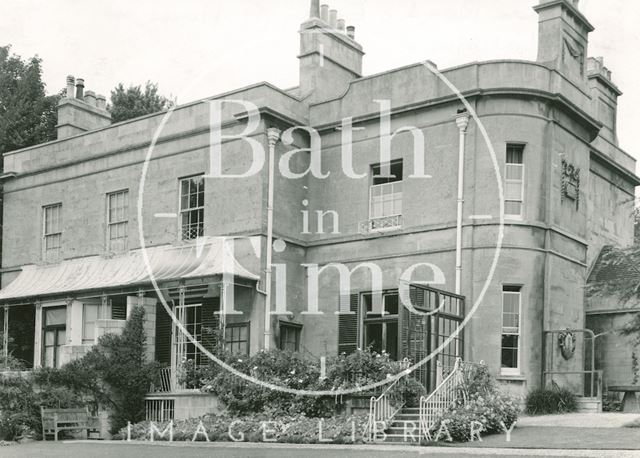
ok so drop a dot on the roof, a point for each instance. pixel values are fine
(210, 256)
(615, 272)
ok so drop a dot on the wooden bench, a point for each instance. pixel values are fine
(631, 397)
(56, 420)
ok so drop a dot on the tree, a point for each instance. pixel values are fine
(27, 115)
(115, 372)
(135, 101)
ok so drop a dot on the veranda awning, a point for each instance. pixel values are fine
(210, 257)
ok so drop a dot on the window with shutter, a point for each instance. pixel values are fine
(348, 326)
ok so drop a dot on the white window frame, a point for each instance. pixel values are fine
(85, 340)
(112, 242)
(515, 216)
(48, 254)
(512, 370)
(183, 211)
(396, 216)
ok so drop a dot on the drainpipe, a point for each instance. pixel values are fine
(273, 135)
(462, 121)
(5, 335)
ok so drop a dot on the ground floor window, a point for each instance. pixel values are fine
(54, 334)
(236, 338)
(381, 329)
(510, 347)
(290, 336)
(190, 316)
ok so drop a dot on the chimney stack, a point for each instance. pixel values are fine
(563, 38)
(330, 58)
(80, 112)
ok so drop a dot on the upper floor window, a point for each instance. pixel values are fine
(514, 181)
(192, 207)
(52, 232)
(117, 220)
(385, 197)
(510, 349)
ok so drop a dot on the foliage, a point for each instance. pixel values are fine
(492, 411)
(479, 403)
(20, 403)
(541, 401)
(477, 380)
(297, 429)
(115, 372)
(293, 370)
(611, 402)
(27, 115)
(135, 101)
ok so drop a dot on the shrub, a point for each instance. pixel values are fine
(20, 403)
(541, 401)
(114, 373)
(492, 411)
(292, 370)
(297, 429)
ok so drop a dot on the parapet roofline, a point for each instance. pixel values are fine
(163, 112)
(444, 70)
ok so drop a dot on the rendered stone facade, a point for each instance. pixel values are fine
(559, 109)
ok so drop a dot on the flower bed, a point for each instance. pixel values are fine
(262, 427)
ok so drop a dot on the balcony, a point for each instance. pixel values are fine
(380, 224)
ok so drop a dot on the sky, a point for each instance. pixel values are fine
(198, 48)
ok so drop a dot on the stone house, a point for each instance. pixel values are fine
(113, 215)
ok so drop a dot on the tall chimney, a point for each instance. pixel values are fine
(80, 88)
(341, 25)
(81, 113)
(351, 32)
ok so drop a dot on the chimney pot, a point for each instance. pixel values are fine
(315, 9)
(80, 89)
(351, 32)
(324, 13)
(71, 81)
(90, 98)
(333, 18)
(101, 101)
(341, 25)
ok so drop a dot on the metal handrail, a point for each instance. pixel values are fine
(381, 409)
(440, 399)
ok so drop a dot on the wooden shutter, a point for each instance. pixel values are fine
(348, 326)
(163, 334)
(210, 322)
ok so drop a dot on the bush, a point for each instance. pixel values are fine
(295, 429)
(492, 411)
(292, 370)
(541, 401)
(114, 373)
(20, 403)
